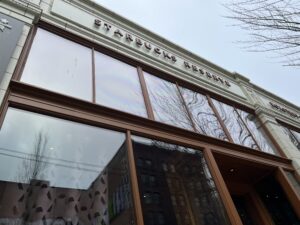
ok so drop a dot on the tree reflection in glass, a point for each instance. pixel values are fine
(293, 136)
(118, 86)
(54, 171)
(204, 118)
(234, 124)
(184, 191)
(167, 103)
(255, 127)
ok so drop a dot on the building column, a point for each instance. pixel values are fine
(278, 137)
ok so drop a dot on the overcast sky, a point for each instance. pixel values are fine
(200, 27)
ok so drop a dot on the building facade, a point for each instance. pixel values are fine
(104, 122)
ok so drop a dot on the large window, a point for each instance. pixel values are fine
(63, 66)
(117, 85)
(53, 171)
(235, 125)
(167, 103)
(175, 185)
(66, 67)
(59, 65)
(293, 135)
(203, 116)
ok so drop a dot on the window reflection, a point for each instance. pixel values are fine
(257, 131)
(294, 136)
(117, 85)
(235, 125)
(205, 120)
(59, 65)
(166, 102)
(57, 171)
(179, 202)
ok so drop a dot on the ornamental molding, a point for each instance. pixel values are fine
(284, 110)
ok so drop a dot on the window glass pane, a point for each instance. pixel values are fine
(258, 132)
(296, 134)
(166, 102)
(292, 137)
(59, 65)
(118, 86)
(204, 118)
(57, 171)
(178, 201)
(235, 125)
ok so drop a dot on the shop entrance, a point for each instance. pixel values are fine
(256, 193)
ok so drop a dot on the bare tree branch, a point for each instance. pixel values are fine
(273, 26)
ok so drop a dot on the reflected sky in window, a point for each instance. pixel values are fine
(67, 154)
(117, 85)
(59, 65)
(257, 131)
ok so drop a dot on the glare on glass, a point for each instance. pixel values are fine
(118, 86)
(204, 118)
(59, 65)
(56, 171)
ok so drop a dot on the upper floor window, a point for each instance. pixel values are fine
(63, 66)
(235, 125)
(59, 65)
(118, 86)
(202, 114)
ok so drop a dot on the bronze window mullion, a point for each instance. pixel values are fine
(93, 77)
(134, 182)
(210, 102)
(248, 129)
(186, 108)
(145, 93)
(222, 188)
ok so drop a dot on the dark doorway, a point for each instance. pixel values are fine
(276, 202)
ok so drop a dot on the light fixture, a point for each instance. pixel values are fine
(231, 170)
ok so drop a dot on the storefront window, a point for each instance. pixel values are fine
(118, 86)
(167, 103)
(178, 202)
(59, 65)
(255, 127)
(235, 125)
(54, 171)
(204, 118)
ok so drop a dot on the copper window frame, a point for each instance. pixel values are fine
(28, 97)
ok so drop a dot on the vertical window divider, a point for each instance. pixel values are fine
(93, 77)
(222, 188)
(289, 189)
(145, 93)
(186, 107)
(213, 107)
(134, 181)
(248, 129)
(272, 138)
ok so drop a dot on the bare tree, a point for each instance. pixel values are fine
(273, 25)
(34, 165)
